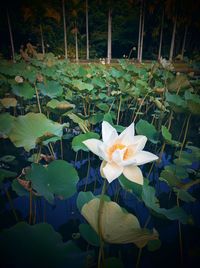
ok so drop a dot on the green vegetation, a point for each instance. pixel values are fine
(49, 107)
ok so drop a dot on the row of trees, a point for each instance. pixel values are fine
(45, 19)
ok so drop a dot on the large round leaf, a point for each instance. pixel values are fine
(58, 178)
(89, 234)
(59, 107)
(77, 142)
(24, 90)
(151, 201)
(50, 88)
(176, 102)
(29, 128)
(168, 137)
(117, 225)
(145, 128)
(193, 102)
(6, 122)
(39, 246)
(5, 174)
(80, 85)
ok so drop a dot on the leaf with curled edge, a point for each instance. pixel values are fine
(117, 225)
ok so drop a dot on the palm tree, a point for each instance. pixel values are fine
(142, 31)
(187, 16)
(35, 17)
(65, 28)
(11, 37)
(109, 45)
(139, 33)
(87, 30)
(172, 7)
(161, 34)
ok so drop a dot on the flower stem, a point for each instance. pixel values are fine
(119, 108)
(180, 236)
(138, 258)
(30, 206)
(136, 114)
(88, 170)
(11, 204)
(101, 203)
(38, 100)
(185, 134)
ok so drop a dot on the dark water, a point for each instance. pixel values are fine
(65, 217)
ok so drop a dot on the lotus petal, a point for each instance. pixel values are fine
(134, 174)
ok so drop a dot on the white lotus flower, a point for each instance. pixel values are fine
(121, 153)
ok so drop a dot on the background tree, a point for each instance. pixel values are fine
(64, 28)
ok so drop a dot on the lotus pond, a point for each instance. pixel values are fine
(73, 192)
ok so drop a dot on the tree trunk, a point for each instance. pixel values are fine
(161, 35)
(65, 29)
(173, 40)
(139, 33)
(109, 48)
(42, 40)
(76, 41)
(11, 38)
(87, 31)
(142, 32)
(184, 41)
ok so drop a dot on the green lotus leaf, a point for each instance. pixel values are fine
(83, 124)
(19, 189)
(184, 195)
(24, 90)
(60, 106)
(173, 175)
(103, 107)
(182, 162)
(5, 174)
(7, 158)
(148, 130)
(189, 156)
(39, 245)
(116, 74)
(80, 85)
(168, 137)
(193, 102)
(89, 234)
(58, 178)
(96, 118)
(83, 198)
(50, 88)
(82, 71)
(117, 225)
(98, 82)
(27, 129)
(8, 102)
(130, 186)
(169, 177)
(6, 123)
(176, 102)
(77, 142)
(150, 200)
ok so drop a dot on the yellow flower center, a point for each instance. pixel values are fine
(127, 154)
(115, 147)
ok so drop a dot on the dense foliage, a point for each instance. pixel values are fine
(48, 108)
